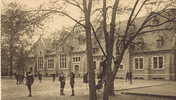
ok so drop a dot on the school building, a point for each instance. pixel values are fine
(152, 57)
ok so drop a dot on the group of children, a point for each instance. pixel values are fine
(62, 79)
(62, 83)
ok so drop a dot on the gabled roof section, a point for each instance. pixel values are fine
(151, 39)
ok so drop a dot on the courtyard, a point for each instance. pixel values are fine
(49, 90)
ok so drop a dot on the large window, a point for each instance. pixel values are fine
(63, 61)
(139, 62)
(94, 64)
(158, 62)
(76, 59)
(51, 63)
(40, 62)
(140, 43)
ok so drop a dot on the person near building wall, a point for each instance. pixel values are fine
(62, 83)
(72, 82)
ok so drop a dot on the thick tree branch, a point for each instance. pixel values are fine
(130, 17)
(113, 20)
(85, 6)
(94, 32)
(104, 21)
(139, 10)
(89, 6)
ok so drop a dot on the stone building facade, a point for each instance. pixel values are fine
(156, 59)
(153, 56)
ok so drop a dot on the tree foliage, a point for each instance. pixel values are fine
(18, 26)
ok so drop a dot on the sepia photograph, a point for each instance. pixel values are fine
(88, 50)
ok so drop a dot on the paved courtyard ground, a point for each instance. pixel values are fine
(48, 90)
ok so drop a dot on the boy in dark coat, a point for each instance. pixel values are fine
(127, 76)
(130, 77)
(29, 81)
(40, 77)
(62, 83)
(54, 77)
(17, 78)
(85, 78)
(72, 82)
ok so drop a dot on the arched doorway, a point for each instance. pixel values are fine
(76, 69)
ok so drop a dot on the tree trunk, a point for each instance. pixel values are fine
(91, 69)
(112, 93)
(106, 91)
(108, 73)
(115, 70)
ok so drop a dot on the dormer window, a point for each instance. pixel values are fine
(160, 41)
(140, 43)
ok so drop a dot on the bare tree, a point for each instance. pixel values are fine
(85, 7)
(128, 36)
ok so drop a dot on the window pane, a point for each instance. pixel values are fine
(63, 61)
(78, 58)
(74, 59)
(160, 62)
(50, 63)
(94, 64)
(136, 63)
(40, 62)
(141, 63)
(154, 62)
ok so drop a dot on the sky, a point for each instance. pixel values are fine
(58, 22)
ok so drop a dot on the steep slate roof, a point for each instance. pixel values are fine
(150, 39)
(43, 44)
